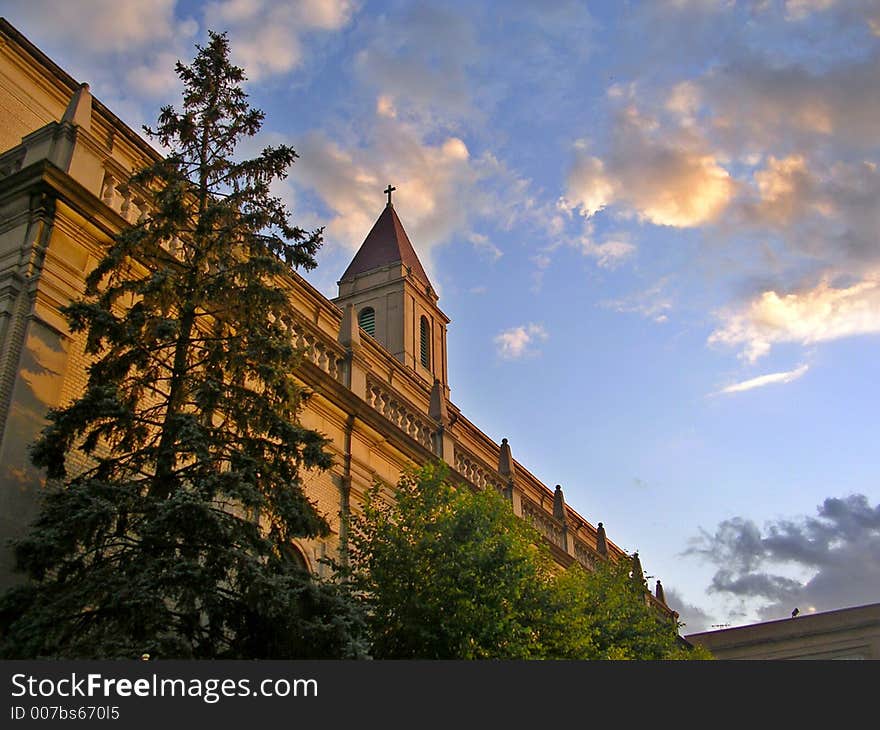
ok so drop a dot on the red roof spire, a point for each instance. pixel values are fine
(386, 244)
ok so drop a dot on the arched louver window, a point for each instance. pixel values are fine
(367, 321)
(425, 332)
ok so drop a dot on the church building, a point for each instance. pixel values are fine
(376, 362)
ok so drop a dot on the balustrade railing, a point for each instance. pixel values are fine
(474, 471)
(543, 522)
(401, 414)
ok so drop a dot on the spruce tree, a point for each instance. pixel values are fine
(174, 481)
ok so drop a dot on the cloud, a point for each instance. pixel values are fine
(809, 316)
(694, 618)
(131, 50)
(653, 303)
(865, 11)
(665, 176)
(443, 190)
(437, 184)
(482, 244)
(109, 25)
(267, 36)
(838, 550)
(769, 379)
(757, 104)
(825, 212)
(418, 60)
(518, 342)
(610, 252)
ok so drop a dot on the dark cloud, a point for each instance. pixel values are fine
(840, 547)
(757, 104)
(693, 618)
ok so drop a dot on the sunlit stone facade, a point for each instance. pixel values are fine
(382, 399)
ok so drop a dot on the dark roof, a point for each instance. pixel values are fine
(386, 244)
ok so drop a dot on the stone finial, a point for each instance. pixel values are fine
(658, 592)
(349, 329)
(638, 574)
(559, 504)
(601, 543)
(506, 466)
(79, 110)
(438, 410)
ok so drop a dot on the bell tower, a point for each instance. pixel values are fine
(394, 300)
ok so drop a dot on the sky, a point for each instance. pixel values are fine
(654, 226)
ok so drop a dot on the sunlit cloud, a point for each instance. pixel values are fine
(763, 380)
(820, 314)
(430, 181)
(663, 176)
(443, 191)
(517, 342)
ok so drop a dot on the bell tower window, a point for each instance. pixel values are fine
(367, 321)
(425, 341)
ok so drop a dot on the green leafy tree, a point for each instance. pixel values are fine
(604, 614)
(448, 573)
(175, 487)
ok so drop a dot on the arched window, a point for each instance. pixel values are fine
(425, 332)
(294, 555)
(367, 321)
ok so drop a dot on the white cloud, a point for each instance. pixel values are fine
(436, 183)
(266, 36)
(769, 379)
(109, 25)
(484, 245)
(610, 253)
(130, 51)
(799, 9)
(155, 77)
(588, 187)
(418, 59)
(820, 314)
(684, 101)
(443, 189)
(518, 342)
(653, 303)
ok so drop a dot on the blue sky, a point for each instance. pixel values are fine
(653, 225)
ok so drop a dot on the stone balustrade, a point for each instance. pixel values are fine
(318, 349)
(543, 522)
(401, 414)
(474, 471)
(586, 555)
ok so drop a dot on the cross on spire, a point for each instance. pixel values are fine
(388, 192)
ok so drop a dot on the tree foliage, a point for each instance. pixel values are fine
(175, 484)
(448, 573)
(604, 614)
